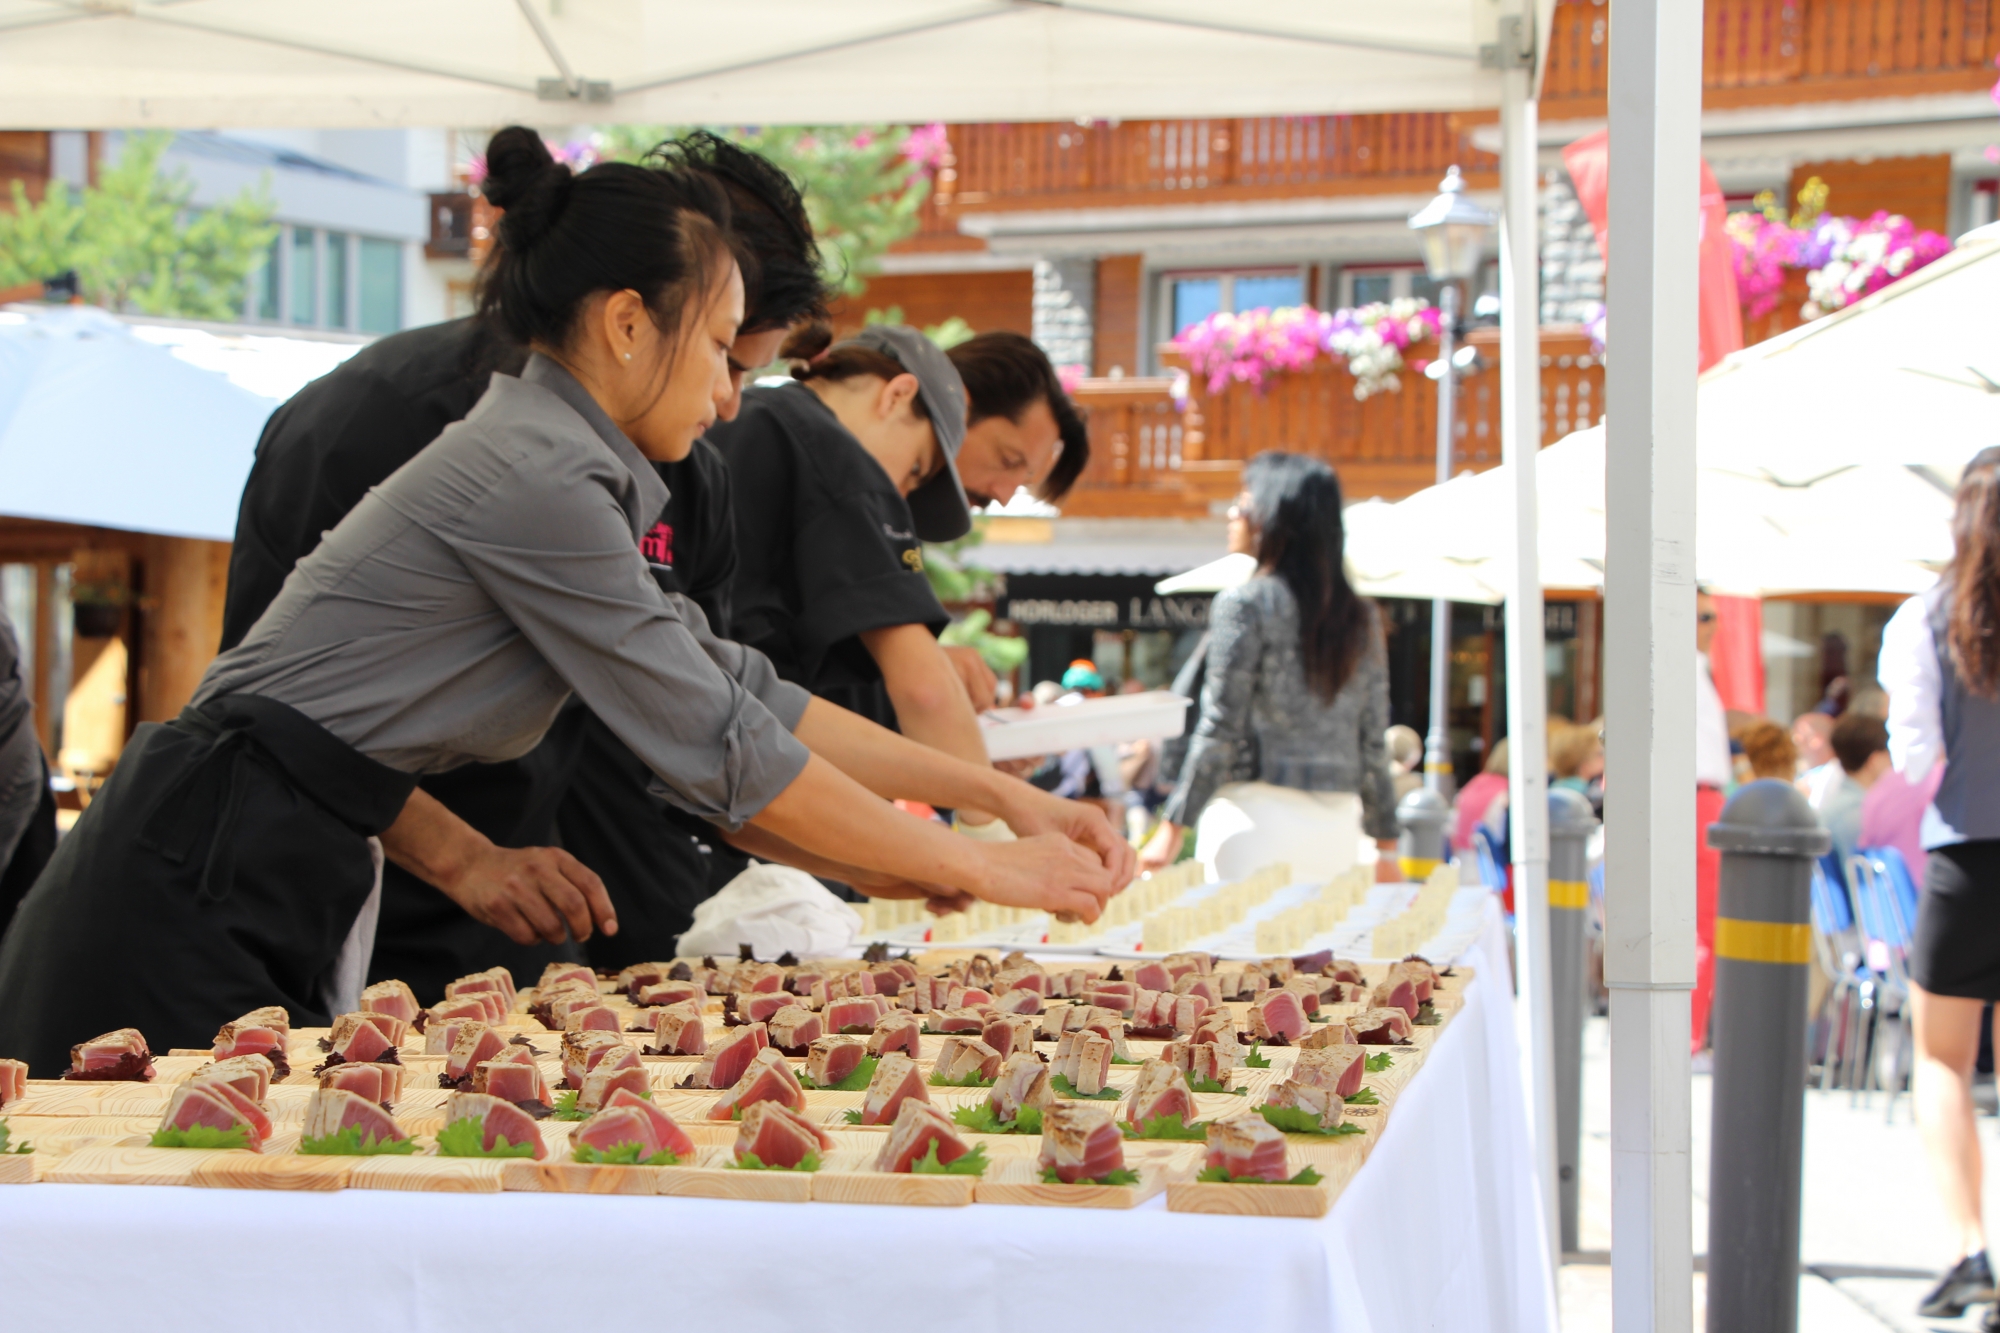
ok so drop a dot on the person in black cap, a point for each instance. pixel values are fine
(839, 479)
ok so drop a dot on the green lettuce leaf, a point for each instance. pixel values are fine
(467, 1138)
(972, 1164)
(1256, 1059)
(23, 1147)
(1167, 1127)
(981, 1120)
(566, 1107)
(1121, 1060)
(1375, 1064)
(972, 1080)
(1210, 1085)
(858, 1081)
(623, 1154)
(349, 1143)
(1124, 1175)
(1216, 1175)
(851, 1117)
(749, 1161)
(1365, 1097)
(1065, 1088)
(1294, 1121)
(203, 1136)
(1427, 1016)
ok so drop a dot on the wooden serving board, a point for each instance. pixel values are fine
(849, 1176)
(711, 1176)
(133, 1162)
(435, 1175)
(566, 1177)
(1250, 1200)
(273, 1171)
(1017, 1179)
(18, 1168)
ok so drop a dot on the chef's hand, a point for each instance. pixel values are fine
(974, 674)
(1163, 848)
(533, 893)
(1046, 872)
(1032, 810)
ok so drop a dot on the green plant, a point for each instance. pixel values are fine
(135, 240)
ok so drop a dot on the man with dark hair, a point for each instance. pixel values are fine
(1861, 748)
(1021, 428)
(347, 431)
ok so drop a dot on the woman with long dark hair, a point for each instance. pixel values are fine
(1296, 696)
(234, 859)
(1940, 663)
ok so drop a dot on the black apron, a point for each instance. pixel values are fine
(220, 869)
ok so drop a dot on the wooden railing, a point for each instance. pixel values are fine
(1766, 52)
(1150, 458)
(1062, 164)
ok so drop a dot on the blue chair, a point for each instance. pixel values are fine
(1492, 865)
(1885, 900)
(1837, 941)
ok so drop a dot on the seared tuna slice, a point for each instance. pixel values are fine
(793, 1028)
(382, 1084)
(442, 1035)
(668, 1133)
(778, 1136)
(1336, 1033)
(428, 1020)
(332, 1110)
(1398, 992)
(1200, 987)
(1338, 1069)
(497, 1120)
(475, 1046)
(262, 1032)
(896, 1032)
(217, 1106)
(613, 1070)
(955, 1020)
(855, 1014)
(614, 1127)
(758, 1006)
(1277, 1016)
(959, 1058)
(1207, 1064)
(725, 1062)
(1161, 1090)
(1080, 1142)
(1381, 1027)
(918, 1125)
(1322, 1104)
(392, 998)
(559, 972)
(897, 1080)
(1248, 1147)
(358, 1037)
(1084, 1058)
(513, 1081)
(1152, 976)
(1307, 989)
(252, 1114)
(831, 1059)
(582, 1050)
(888, 981)
(595, 1017)
(668, 992)
(120, 1056)
(1009, 1034)
(1023, 1081)
(1277, 970)
(495, 979)
(678, 1029)
(13, 1080)
(1019, 1001)
(1028, 977)
(248, 1074)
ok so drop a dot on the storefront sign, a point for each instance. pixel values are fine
(1108, 602)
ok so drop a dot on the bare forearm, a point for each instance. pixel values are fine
(897, 767)
(765, 845)
(827, 815)
(431, 842)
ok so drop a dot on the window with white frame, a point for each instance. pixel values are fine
(318, 279)
(1189, 297)
(1366, 284)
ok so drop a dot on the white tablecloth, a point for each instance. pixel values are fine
(1437, 1231)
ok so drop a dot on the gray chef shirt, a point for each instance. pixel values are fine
(454, 610)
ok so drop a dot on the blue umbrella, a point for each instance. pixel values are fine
(101, 428)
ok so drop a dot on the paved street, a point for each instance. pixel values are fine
(1872, 1240)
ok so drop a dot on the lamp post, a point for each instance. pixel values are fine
(1453, 231)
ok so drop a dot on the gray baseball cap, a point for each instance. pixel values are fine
(939, 506)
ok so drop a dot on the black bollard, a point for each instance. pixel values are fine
(1571, 822)
(1420, 849)
(1768, 837)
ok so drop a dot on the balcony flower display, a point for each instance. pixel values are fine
(1252, 346)
(1844, 258)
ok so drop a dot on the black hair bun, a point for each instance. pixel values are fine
(528, 184)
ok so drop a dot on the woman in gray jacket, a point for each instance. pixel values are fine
(1296, 694)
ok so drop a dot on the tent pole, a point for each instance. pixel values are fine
(1527, 686)
(1655, 105)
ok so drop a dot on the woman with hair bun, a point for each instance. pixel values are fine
(233, 859)
(1940, 663)
(1295, 699)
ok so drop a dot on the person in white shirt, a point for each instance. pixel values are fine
(1712, 774)
(1819, 770)
(1940, 663)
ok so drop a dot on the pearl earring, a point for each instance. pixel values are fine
(628, 356)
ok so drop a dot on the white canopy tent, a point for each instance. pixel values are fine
(187, 63)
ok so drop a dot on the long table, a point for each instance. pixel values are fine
(1439, 1230)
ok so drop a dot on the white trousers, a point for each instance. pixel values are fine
(1249, 825)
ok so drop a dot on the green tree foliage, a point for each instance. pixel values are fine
(136, 242)
(862, 190)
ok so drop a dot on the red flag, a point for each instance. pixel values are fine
(1721, 322)
(1736, 656)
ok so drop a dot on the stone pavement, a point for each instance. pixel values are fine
(1873, 1240)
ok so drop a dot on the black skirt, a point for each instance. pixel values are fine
(1956, 946)
(220, 869)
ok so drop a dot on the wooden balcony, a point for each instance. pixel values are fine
(1780, 52)
(1151, 459)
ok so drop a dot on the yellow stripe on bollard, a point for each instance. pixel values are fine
(1763, 941)
(1571, 893)
(1417, 868)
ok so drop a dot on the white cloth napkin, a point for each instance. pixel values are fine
(774, 910)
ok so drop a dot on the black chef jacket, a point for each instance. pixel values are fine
(827, 548)
(319, 454)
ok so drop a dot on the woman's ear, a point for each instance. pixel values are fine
(621, 319)
(895, 395)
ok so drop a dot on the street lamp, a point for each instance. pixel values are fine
(1453, 231)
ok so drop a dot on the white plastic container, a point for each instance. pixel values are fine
(1079, 723)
